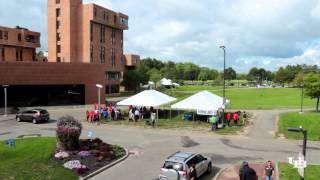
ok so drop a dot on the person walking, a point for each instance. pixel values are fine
(246, 172)
(193, 172)
(213, 121)
(235, 118)
(268, 171)
(228, 118)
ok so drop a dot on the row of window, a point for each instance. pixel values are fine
(105, 15)
(19, 54)
(102, 55)
(4, 35)
(113, 75)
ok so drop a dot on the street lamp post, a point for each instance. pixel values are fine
(301, 109)
(5, 99)
(224, 79)
(304, 145)
(99, 86)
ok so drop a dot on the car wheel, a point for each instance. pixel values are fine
(34, 121)
(209, 169)
(18, 119)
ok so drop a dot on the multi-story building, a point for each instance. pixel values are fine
(18, 44)
(85, 48)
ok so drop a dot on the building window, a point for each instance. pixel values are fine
(31, 38)
(58, 37)
(113, 57)
(112, 75)
(123, 21)
(21, 55)
(102, 54)
(0, 34)
(19, 37)
(58, 24)
(58, 59)
(113, 37)
(57, 1)
(91, 53)
(3, 53)
(102, 34)
(17, 54)
(112, 88)
(58, 48)
(91, 32)
(5, 35)
(95, 12)
(115, 19)
(106, 16)
(58, 12)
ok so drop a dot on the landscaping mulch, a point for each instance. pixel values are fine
(97, 159)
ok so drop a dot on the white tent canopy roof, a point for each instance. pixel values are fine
(147, 98)
(203, 101)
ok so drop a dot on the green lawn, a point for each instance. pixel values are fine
(251, 98)
(30, 159)
(287, 172)
(308, 120)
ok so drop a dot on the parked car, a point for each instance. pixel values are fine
(177, 166)
(33, 115)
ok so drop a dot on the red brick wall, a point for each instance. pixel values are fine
(38, 73)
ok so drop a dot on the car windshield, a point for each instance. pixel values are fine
(173, 165)
(43, 112)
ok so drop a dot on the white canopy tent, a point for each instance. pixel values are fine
(204, 102)
(148, 98)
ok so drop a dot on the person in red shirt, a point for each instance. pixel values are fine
(235, 118)
(228, 118)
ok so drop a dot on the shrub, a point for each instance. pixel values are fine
(68, 133)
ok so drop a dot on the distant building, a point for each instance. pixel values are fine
(18, 44)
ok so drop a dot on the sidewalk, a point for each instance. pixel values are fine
(232, 173)
(6, 118)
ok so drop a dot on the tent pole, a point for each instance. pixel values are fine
(193, 116)
(157, 114)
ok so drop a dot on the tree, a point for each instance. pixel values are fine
(204, 74)
(230, 74)
(312, 86)
(132, 80)
(154, 75)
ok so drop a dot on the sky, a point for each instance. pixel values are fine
(257, 33)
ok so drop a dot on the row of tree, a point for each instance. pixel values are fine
(154, 70)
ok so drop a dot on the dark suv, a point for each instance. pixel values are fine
(33, 115)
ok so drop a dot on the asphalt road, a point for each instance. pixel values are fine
(150, 147)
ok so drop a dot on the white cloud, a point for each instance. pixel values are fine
(264, 33)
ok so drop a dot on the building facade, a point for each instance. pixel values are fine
(18, 44)
(85, 48)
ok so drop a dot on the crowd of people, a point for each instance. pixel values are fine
(141, 113)
(215, 120)
(106, 112)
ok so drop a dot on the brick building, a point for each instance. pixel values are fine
(85, 48)
(18, 44)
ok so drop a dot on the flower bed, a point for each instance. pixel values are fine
(91, 156)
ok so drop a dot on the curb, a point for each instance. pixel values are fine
(218, 173)
(106, 167)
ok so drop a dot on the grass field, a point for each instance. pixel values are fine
(308, 120)
(287, 172)
(251, 98)
(30, 159)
